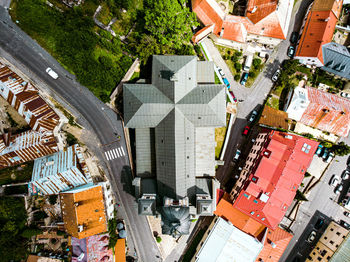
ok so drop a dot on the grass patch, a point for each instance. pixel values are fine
(104, 15)
(192, 249)
(16, 174)
(217, 80)
(135, 76)
(273, 102)
(220, 134)
(233, 59)
(254, 71)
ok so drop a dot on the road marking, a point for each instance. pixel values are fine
(116, 151)
(107, 156)
(115, 156)
(120, 151)
(110, 153)
(123, 151)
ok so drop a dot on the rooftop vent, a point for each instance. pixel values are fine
(253, 10)
(80, 228)
(273, 245)
(49, 163)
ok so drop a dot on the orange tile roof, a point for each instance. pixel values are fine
(264, 21)
(240, 220)
(274, 118)
(319, 28)
(84, 207)
(119, 251)
(281, 239)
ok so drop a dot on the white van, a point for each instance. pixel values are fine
(248, 63)
(52, 73)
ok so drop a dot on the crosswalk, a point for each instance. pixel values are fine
(114, 153)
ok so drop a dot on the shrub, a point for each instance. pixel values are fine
(30, 232)
(256, 63)
(237, 77)
(71, 140)
(159, 239)
(252, 74)
(238, 67)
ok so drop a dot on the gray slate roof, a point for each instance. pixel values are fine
(175, 104)
(336, 59)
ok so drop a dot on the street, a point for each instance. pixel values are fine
(92, 114)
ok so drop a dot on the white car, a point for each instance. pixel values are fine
(338, 189)
(312, 236)
(221, 72)
(343, 94)
(335, 180)
(253, 116)
(329, 158)
(238, 153)
(276, 75)
(51, 73)
(345, 175)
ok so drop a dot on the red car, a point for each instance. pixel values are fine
(233, 96)
(246, 130)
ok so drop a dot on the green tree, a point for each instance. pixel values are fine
(252, 74)
(169, 22)
(146, 47)
(341, 149)
(256, 63)
(238, 67)
(237, 77)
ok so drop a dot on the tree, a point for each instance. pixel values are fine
(169, 22)
(146, 47)
(341, 149)
(238, 67)
(237, 77)
(256, 63)
(252, 74)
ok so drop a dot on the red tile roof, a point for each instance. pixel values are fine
(278, 173)
(319, 28)
(336, 120)
(262, 19)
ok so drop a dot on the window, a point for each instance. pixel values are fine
(338, 233)
(332, 242)
(256, 201)
(319, 258)
(306, 148)
(246, 195)
(332, 229)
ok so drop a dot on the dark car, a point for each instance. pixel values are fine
(291, 51)
(233, 96)
(325, 153)
(294, 37)
(244, 79)
(344, 224)
(319, 223)
(246, 130)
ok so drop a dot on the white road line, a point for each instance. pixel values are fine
(113, 156)
(120, 151)
(115, 151)
(112, 153)
(123, 151)
(107, 156)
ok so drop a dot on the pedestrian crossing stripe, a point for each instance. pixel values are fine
(114, 153)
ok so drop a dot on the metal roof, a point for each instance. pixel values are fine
(226, 243)
(59, 172)
(343, 252)
(178, 108)
(336, 59)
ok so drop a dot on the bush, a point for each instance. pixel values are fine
(71, 140)
(307, 135)
(238, 67)
(237, 77)
(341, 149)
(159, 239)
(252, 74)
(256, 63)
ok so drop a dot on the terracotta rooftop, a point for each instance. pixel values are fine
(328, 112)
(84, 211)
(279, 237)
(319, 28)
(263, 18)
(276, 177)
(274, 118)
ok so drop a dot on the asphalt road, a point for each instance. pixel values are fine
(254, 96)
(92, 114)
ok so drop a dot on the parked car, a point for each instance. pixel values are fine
(244, 78)
(345, 175)
(294, 37)
(291, 51)
(334, 181)
(226, 82)
(338, 189)
(319, 149)
(253, 116)
(312, 236)
(246, 130)
(344, 224)
(221, 72)
(238, 153)
(248, 63)
(233, 96)
(276, 75)
(51, 73)
(343, 94)
(346, 213)
(329, 158)
(325, 153)
(319, 223)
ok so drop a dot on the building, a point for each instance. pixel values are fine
(330, 241)
(274, 241)
(41, 118)
(59, 172)
(224, 242)
(273, 118)
(274, 170)
(84, 211)
(343, 251)
(33, 258)
(319, 109)
(262, 21)
(174, 117)
(95, 248)
(315, 47)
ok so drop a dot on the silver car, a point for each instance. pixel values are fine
(276, 75)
